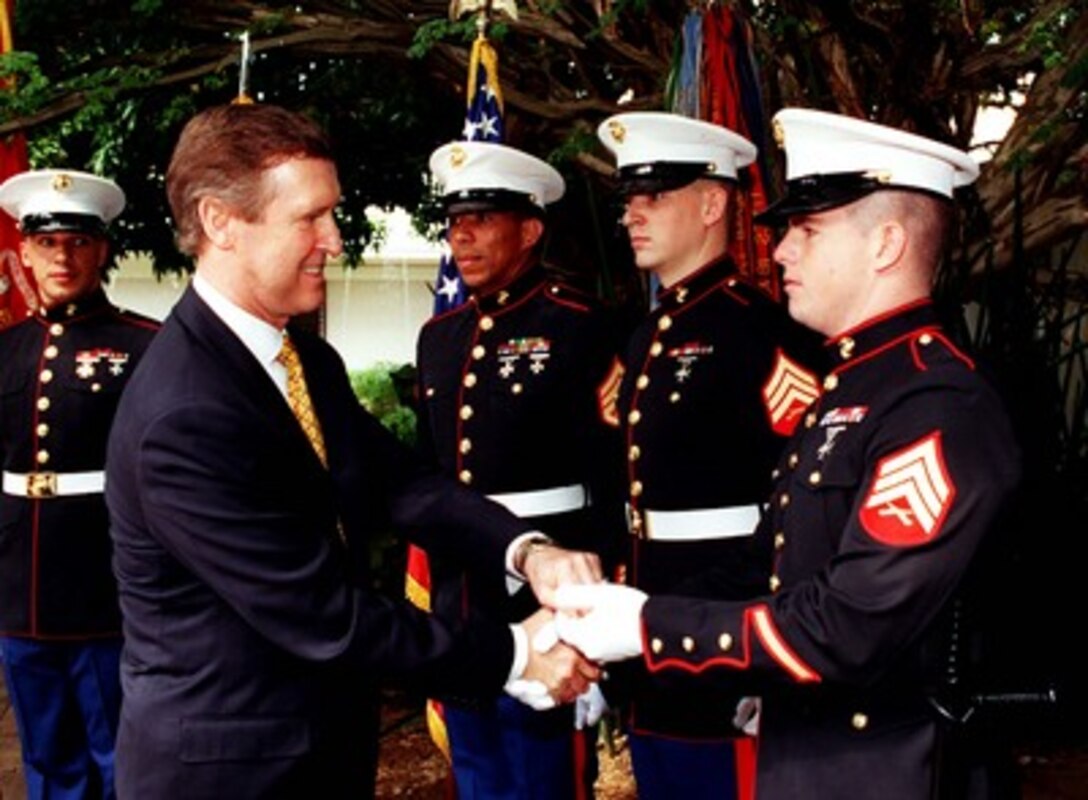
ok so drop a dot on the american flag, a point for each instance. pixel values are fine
(483, 123)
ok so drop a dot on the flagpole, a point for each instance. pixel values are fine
(243, 97)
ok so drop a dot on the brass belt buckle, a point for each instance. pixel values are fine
(41, 484)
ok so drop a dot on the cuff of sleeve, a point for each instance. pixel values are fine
(518, 550)
(521, 652)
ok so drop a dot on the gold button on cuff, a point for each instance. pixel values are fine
(465, 447)
(56, 329)
(479, 351)
(643, 381)
(517, 388)
(725, 642)
(775, 583)
(688, 644)
(656, 348)
(634, 452)
(46, 375)
(43, 403)
(634, 417)
(42, 430)
(469, 380)
(657, 645)
(486, 323)
(925, 339)
(465, 476)
(664, 323)
(466, 412)
(731, 282)
(51, 351)
(42, 457)
(831, 382)
(859, 721)
(815, 478)
(636, 488)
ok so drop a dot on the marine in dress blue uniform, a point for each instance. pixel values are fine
(716, 378)
(880, 502)
(61, 375)
(517, 394)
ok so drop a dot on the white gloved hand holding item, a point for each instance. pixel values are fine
(533, 693)
(589, 707)
(602, 620)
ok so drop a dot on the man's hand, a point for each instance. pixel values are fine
(555, 672)
(547, 567)
(602, 620)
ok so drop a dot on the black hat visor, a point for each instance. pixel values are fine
(661, 176)
(815, 193)
(58, 222)
(471, 201)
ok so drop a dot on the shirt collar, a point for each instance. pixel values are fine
(260, 338)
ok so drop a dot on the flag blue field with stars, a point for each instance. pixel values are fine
(483, 123)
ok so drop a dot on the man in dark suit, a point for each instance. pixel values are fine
(242, 491)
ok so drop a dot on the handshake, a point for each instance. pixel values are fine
(582, 623)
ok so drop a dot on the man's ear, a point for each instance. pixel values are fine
(715, 202)
(532, 229)
(24, 252)
(889, 244)
(215, 219)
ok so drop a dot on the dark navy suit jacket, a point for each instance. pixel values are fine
(254, 646)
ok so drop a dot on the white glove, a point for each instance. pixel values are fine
(533, 693)
(588, 707)
(603, 620)
(746, 717)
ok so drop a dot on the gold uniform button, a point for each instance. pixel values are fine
(42, 457)
(688, 644)
(731, 282)
(810, 420)
(793, 459)
(466, 412)
(517, 388)
(831, 382)
(56, 329)
(634, 417)
(636, 488)
(96, 387)
(779, 540)
(51, 351)
(664, 323)
(775, 583)
(43, 403)
(859, 721)
(486, 323)
(479, 351)
(775, 474)
(656, 348)
(469, 380)
(634, 453)
(429, 391)
(815, 477)
(725, 642)
(674, 397)
(465, 476)
(42, 430)
(465, 447)
(925, 339)
(657, 645)
(784, 500)
(46, 376)
(643, 381)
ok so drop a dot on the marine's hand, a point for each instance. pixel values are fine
(602, 620)
(554, 670)
(548, 567)
(589, 706)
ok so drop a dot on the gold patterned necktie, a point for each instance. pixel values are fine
(298, 398)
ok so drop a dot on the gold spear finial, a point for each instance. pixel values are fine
(484, 9)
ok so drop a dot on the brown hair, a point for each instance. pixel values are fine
(223, 151)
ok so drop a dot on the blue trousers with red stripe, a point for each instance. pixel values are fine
(506, 751)
(67, 700)
(666, 769)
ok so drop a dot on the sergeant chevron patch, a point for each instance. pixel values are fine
(608, 393)
(910, 495)
(787, 393)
